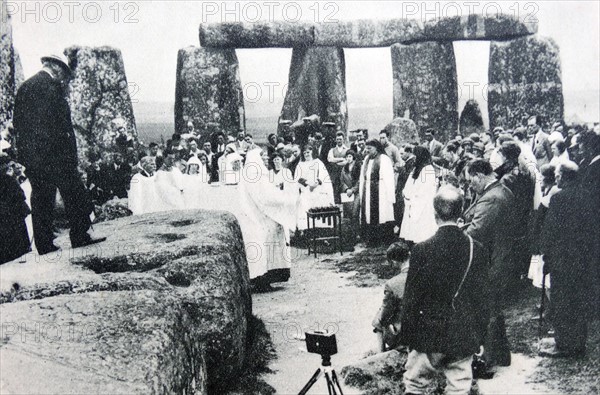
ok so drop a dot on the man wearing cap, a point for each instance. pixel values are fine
(48, 149)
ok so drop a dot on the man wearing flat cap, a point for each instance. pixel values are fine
(48, 149)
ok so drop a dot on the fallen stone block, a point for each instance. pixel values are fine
(402, 131)
(196, 258)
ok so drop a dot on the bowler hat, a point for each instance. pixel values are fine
(58, 59)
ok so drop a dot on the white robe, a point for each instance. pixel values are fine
(169, 190)
(321, 196)
(230, 168)
(268, 213)
(418, 223)
(142, 196)
(193, 187)
(387, 189)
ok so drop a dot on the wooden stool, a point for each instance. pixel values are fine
(333, 214)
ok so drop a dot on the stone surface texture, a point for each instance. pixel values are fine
(99, 99)
(402, 131)
(366, 33)
(208, 91)
(425, 86)
(161, 307)
(317, 85)
(256, 35)
(524, 79)
(362, 33)
(479, 27)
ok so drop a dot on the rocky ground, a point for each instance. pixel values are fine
(342, 293)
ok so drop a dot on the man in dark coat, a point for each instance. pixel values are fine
(47, 148)
(522, 185)
(565, 248)
(488, 221)
(444, 317)
(590, 187)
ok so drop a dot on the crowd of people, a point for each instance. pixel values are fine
(499, 206)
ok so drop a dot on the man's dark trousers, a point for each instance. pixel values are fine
(43, 195)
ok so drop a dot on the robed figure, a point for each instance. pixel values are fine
(377, 194)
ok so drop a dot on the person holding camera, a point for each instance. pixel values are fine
(444, 318)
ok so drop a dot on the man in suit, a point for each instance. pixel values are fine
(565, 247)
(444, 317)
(590, 189)
(47, 147)
(542, 149)
(488, 221)
(218, 150)
(435, 147)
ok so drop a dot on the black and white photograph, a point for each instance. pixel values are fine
(299, 197)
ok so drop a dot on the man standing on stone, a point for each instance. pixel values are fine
(444, 316)
(47, 148)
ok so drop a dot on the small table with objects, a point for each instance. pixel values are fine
(329, 215)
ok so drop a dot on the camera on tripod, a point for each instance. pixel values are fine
(321, 342)
(324, 344)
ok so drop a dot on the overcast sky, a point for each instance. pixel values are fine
(149, 34)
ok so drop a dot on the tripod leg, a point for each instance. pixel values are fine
(330, 387)
(310, 382)
(335, 381)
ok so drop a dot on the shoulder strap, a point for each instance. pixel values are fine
(466, 271)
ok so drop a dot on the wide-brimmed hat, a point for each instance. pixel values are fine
(61, 60)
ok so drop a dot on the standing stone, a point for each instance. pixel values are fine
(524, 79)
(99, 100)
(19, 74)
(317, 85)
(208, 91)
(402, 131)
(471, 120)
(7, 68)
(425, 86)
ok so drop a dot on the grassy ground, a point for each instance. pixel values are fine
(261, 352)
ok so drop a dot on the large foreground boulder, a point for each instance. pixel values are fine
(317, 85)
(425, 86)
(100, 102)
(169, 291)
(208, 91)
(524, 80)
